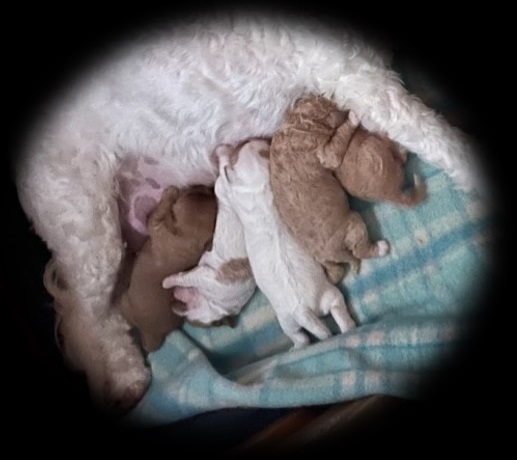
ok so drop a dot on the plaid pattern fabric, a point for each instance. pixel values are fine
(412, 308)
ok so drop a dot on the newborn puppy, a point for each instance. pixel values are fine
(373, 169)
(291, 279)
(180, 230)
(308, 146)
(222, 282)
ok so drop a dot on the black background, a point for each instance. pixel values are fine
(465, 50)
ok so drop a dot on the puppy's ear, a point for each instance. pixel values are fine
(264, 153)
(209, 244)
(222, 150)
(224, 172)
(353, 118)
(221, 156)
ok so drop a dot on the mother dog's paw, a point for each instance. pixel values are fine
(123, 391)
(121, 388)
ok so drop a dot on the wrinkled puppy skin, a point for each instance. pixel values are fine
(308, 146)
(180, 230)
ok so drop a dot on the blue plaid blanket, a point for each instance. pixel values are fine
(412, 309)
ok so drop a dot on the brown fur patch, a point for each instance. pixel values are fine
(235, 271)
(234, 156)
(180, 228)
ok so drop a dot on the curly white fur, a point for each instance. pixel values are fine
(173, 96)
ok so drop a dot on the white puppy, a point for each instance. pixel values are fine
(173, 97)
(294, 283)
(222, 282)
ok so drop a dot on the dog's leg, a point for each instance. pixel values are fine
(383, 105)
(192, 278)
(189, 300)
(331, 155)
(335, 271)
(357, 240)
(292, 329)
(78, 219)
(333, 255)
(333, 302)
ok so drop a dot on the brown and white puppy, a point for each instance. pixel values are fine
(308, 146)
(180, 231)
(222, 282)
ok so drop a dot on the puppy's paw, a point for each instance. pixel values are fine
(185, 295)
(300, 340)
(353, 118)
(383, 248)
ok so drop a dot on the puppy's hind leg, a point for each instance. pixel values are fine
(334, 271)
(333, 302)
(78, 218)
(292, 329)
(357, 240)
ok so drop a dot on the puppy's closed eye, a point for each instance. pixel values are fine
(264, 153)
(225, 172)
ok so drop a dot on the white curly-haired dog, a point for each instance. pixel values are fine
(173, 96)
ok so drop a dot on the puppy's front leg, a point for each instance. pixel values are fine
(333, 302)
(332, 153)
(193, 278)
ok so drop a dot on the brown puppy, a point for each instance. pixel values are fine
(373, 169)
(311, 144)
(180, 231)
